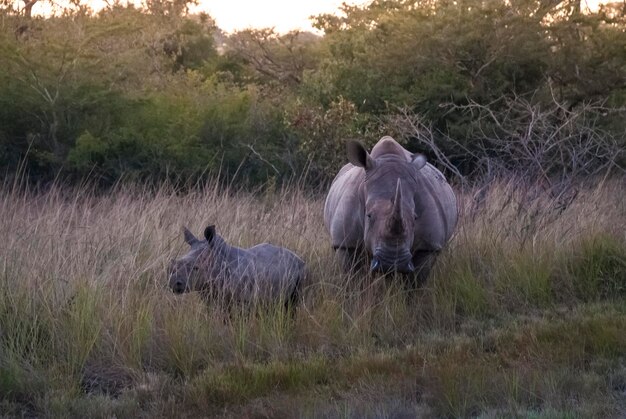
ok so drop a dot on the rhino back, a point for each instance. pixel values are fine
(274, 271)
(344, 208)
(266, 254)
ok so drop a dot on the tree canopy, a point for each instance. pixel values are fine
(152, 92)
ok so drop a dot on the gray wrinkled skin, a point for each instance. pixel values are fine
(391, 206)
(263, 273)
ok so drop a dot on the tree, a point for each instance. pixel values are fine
(274, 57)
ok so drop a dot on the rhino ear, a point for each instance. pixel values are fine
(189, 237)
(209, 233)
(358, 156)
(419, 161)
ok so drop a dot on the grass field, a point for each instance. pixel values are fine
(524, 314)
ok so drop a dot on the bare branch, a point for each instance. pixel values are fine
(552, 145)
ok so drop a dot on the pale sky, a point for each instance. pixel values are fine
(283, 15)
(233, 15)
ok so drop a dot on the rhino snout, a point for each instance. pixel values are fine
(376, 266)
(178, 286)
(409, 268)
(402, 264)
(177, 280)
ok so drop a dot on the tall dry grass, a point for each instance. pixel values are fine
(523, 313)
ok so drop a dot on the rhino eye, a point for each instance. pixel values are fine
(195, 269)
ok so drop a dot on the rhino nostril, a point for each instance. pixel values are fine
(375, 266)
(178, 287)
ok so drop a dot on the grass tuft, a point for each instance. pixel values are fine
(598, 268)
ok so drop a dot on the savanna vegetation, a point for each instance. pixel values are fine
(524, 313)
(120, 126)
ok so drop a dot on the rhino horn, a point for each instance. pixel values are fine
(396, 213)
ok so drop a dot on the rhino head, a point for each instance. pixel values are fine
(193, 271)
(390, 208)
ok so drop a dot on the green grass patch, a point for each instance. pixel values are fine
(234, 384)
(598, 268)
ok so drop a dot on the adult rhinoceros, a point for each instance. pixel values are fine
(394, 206)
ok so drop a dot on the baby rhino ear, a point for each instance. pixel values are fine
(189, 237)
(209, 233)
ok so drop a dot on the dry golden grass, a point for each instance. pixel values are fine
(524, 313)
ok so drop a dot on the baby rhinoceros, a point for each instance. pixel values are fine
(261, 274)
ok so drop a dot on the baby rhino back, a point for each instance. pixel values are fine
(263, 273)
(277, 272)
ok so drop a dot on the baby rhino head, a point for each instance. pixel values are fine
(193, 271)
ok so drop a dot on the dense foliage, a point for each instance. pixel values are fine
(156, 93)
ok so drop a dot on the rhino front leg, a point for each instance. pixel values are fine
(423, 262)
(292, 301)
